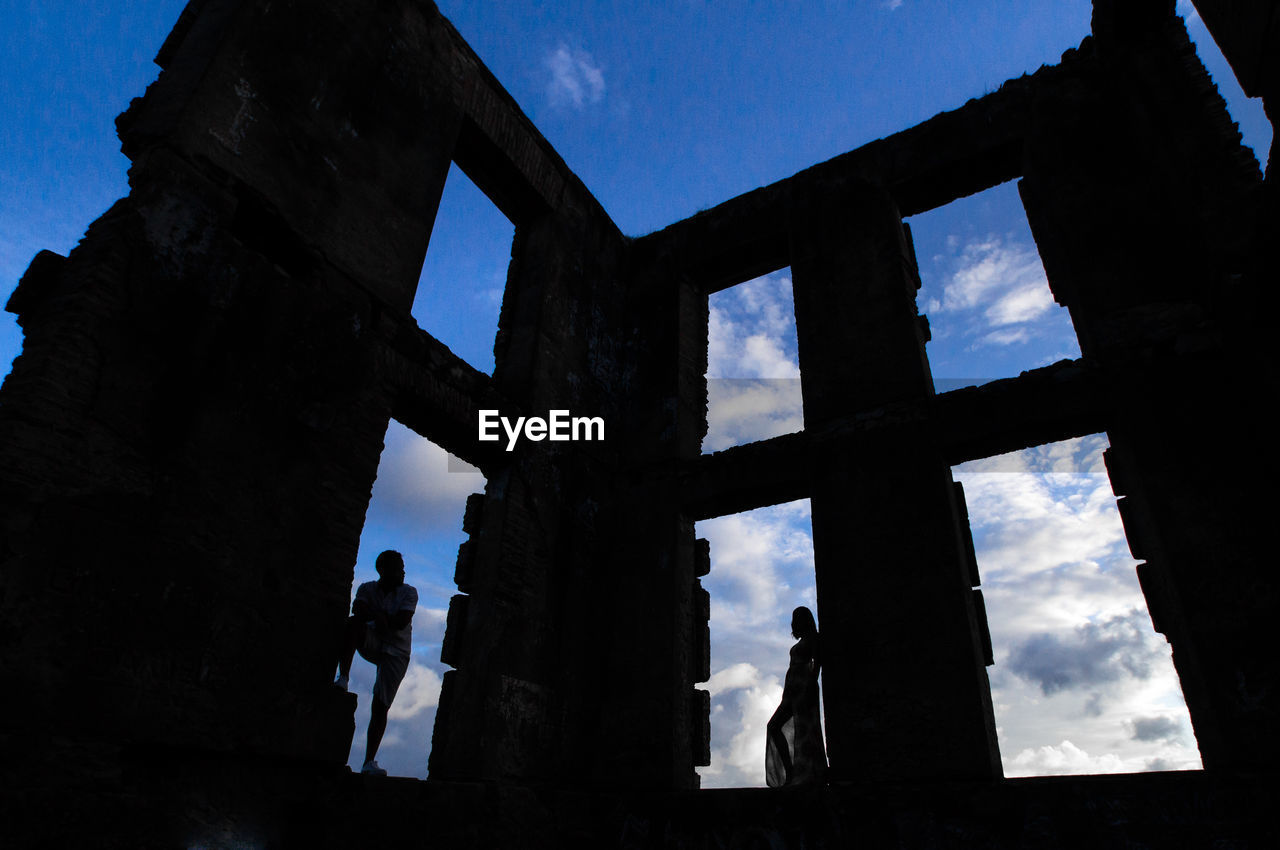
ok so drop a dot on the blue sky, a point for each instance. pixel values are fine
(664, 109)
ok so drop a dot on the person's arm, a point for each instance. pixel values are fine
(361, 610)
(815, 663)
(408, 604)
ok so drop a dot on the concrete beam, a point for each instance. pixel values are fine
(950, 156)
(1041, 406)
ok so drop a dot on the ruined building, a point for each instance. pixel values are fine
(190, 436)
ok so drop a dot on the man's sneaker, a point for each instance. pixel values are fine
(340, 682)
(371, 769)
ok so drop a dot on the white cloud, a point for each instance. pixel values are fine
(1009, 336)
(1094, 653)
(491, 297)
(575, 78)
(1082, 455)
(419, 691)
(743, 700)
(991, 312)
(428, 621)
(752, 366)
(1006, 281)
(734, 677)
(752, 331)
(744, 411)
(1024, 304)
(416, 488)
(1080, 673)
(744, 756)
(761, 568)
(1160, 727)
(406, 743)
(1062, 758)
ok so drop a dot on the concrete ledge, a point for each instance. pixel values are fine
(168, 799)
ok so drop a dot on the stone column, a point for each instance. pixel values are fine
(905, 688)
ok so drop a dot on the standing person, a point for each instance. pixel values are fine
(381, 629)
(794, 752)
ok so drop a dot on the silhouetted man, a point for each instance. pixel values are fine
(381, 628)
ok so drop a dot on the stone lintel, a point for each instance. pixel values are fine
(950, 156)
(439, 395)
(1041, 406)
(1045, 405)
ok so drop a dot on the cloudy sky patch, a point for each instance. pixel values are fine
(1078, 667)
(753, 369)
(993, 283)
(1159, 728)
(576, 80)
(415, 488)
(1095, 653)
(761, 569)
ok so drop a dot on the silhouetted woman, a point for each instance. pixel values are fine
(794, 753)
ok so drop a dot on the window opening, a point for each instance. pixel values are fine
(465, 272)
(761, 570)
(753, 369)
(984, 291)
(1082, 683)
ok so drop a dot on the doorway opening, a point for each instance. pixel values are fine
(416, 509)
(761, 569)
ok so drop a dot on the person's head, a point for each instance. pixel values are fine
(390, 567)
(802, 623)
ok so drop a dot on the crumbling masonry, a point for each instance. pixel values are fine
(190, 436)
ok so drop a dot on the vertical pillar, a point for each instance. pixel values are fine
(905, 687)
(1146, 243)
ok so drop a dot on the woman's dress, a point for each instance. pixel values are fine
(794, 752)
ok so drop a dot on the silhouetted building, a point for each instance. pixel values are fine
(192, 431)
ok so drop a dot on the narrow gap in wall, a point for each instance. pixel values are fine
(416, 509)
(983, 289)
(753, 370)
(761, 570)
(460, 289)
(1247, 112)
(1082, 682)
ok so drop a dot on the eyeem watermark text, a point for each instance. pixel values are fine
(558, 426)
